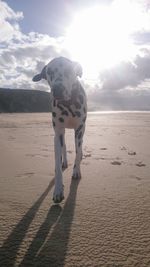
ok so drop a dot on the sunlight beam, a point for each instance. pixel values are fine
(99, 37)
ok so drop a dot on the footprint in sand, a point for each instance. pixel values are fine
(69, 151)
(102, 158)
(26, 174)
(132, 153)
(37, 155)
(140, 164)
(123, 148)
(115, 162)
(87, 155)
(136, 177)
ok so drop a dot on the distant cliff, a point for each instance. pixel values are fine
(19, 100)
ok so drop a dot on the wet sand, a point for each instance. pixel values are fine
(104, 220)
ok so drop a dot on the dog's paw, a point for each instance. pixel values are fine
(76, 174)
(58, 196)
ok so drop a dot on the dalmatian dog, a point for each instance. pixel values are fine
(69, 110)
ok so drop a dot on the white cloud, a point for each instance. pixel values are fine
(9, 23)
(8, 13)
(22, 55)
(20, 61)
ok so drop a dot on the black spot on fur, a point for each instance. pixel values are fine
(67, 105)
(54, 114)
(80, 135)
(70, 110)
(79, 144)
(78, 130)
(61, 139)
(54, 124)
(77, 105)
(65, 112)
(61, 119)
(81, 99)
(60, 107)
(78, 114)
(84, 119)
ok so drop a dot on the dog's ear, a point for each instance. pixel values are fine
(40, 76)
(78, 69)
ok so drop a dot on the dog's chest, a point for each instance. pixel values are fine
(71, 122)
(68, 116)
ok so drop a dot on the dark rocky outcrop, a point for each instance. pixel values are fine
(20, 100)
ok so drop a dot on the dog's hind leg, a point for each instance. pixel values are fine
(78, 144)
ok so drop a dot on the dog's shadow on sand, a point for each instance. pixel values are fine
(45, 250)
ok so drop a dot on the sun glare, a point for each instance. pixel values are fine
(99, 37)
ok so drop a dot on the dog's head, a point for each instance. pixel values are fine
(61, 74)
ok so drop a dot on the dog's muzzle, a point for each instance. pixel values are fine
(58, 91)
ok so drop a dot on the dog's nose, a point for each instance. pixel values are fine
(58, 90)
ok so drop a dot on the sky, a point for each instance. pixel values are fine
(109, 38)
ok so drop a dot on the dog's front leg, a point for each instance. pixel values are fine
(78, 144)
(58, 195)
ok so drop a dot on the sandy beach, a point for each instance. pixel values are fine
(104, 220)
